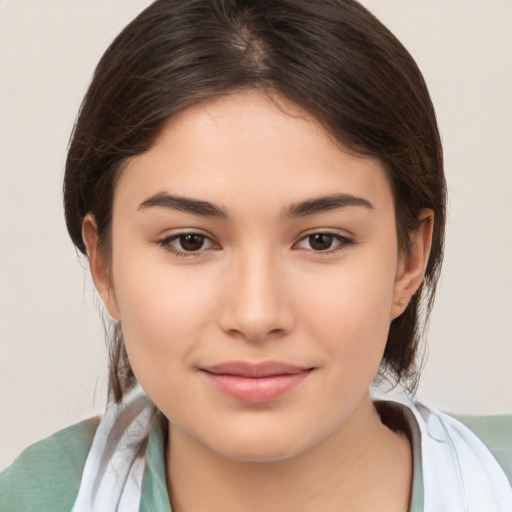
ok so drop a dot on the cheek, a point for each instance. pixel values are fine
(164, 312)
(350, 311)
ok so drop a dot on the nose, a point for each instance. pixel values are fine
(256, 303)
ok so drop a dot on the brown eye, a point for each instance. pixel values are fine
(191, 242)
(324, 243)
(187, 244)
(320, 241)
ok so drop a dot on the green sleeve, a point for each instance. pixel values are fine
(46, 476)
(496, 433)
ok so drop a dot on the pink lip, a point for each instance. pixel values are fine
(255, 383)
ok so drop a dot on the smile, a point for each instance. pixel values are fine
(255, 383)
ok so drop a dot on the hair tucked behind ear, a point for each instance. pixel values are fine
(331, 57)
(121, 377)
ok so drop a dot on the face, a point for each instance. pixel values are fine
(255, 272)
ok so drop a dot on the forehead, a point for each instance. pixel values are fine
(248, 148)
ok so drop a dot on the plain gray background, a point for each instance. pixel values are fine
(53, 363)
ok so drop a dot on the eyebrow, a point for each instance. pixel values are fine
(184, 204)
(208, 209)
(324, 204)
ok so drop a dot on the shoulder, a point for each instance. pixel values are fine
(496, 433)
(464, 460)
(46, 476)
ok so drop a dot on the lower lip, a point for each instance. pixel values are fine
(256, 390)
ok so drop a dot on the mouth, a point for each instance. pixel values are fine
(255, 382)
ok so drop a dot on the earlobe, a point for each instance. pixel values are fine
(99, 268)
(411, 268)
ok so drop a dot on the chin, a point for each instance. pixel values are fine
(259, 444)
(260, 451)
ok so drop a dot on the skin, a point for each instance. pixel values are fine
(258, 290)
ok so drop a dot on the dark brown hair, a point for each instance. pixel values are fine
(331, 57)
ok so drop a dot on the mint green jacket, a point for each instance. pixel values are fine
(47, 475)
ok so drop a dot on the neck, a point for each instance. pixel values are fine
(361, 466)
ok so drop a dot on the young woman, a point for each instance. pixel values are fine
(259, 190)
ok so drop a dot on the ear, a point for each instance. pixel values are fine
(411, 267)
(99, 267)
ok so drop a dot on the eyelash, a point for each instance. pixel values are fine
(343, 242)
(166, 243)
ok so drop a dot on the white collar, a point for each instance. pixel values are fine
(459, 472)
(113, 471)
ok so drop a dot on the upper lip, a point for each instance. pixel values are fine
(254, 370)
